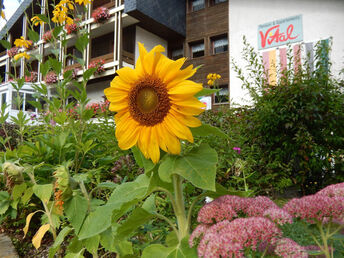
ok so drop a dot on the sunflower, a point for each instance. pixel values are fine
(155, 104)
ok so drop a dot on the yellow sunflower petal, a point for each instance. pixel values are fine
(152, 58)
(128, 75)
(143, 141)
(171, 70)
(189, 121)
(119, 84)
(172, 143)
(178, 129)
(117, 106)
(188, 111)
(114, 95)
(153, 150)
(129, 137)
(180, 76)
(185, 88)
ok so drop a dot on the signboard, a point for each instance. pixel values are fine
(280, 32)
(207, 101)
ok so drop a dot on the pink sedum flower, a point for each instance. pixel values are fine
(316, 208)
(278, 216)
(215, 212)
(336, 190)
(228, 239)
(287, 248)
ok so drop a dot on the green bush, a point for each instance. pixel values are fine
(295, 129)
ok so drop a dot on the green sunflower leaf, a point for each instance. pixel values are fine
(205, 92)
(205, 130)
(198, 167)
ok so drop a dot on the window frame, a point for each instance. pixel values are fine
(215, 38)
(193, 44)
(191, 7)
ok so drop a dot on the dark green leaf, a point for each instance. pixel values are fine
(198, 166)
(205, 130)
(6, 44)
(33, 35)
(76, 210)
(205, 92)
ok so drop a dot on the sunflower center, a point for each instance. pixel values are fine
(149, 102)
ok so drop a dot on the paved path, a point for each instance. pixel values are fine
(6, 247)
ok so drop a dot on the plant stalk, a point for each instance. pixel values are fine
(180, 208)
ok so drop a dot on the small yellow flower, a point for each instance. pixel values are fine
(22, 42)
(69, 3)
(3, 15)
(211, 82)
(155, 104)
(21, 55)
(218, 76)
(60, 15)
(209, 76)
(36, 20)
(83, 2)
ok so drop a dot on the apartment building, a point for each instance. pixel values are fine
(196, 29)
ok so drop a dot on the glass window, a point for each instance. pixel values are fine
(28, 106)
(197, 5)
(177, 53)
(197, 49)
(222, 96)
(3, 98)
(220, 1)
(220, 45)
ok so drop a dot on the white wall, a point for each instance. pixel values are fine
(95, 91)
(321, 19)
(149, 40)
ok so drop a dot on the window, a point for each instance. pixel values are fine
(197, 49)
(177, 53)
(3, 99)
(27, 105)
(220, 44)
(197, 5)
(222, 96)
(219, 1)
(22, 102)
(73, 54)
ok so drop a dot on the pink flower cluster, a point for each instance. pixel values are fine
(228, 239)
(287, 248)
(72, 28)
(32, 77)
(12, 52)
(316, 208)
(74, 72)
(51, 77)
(99, 65)
(278, 216)
(48, 36)
(336, 190)
(228, 207)
(101, 14)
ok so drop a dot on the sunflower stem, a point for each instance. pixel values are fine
(180, 208)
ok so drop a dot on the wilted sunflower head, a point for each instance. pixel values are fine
(155, 104)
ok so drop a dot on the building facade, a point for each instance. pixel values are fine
(196, 29)
(312, 21)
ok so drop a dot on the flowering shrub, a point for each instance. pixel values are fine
(98, 64)
(48, 36)
(228, 239)
(13, 51)
(32, 77)
(286, 247)
(101, 14)
(72, 28)
(51, 78)
(231, 225)
(316, 208)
